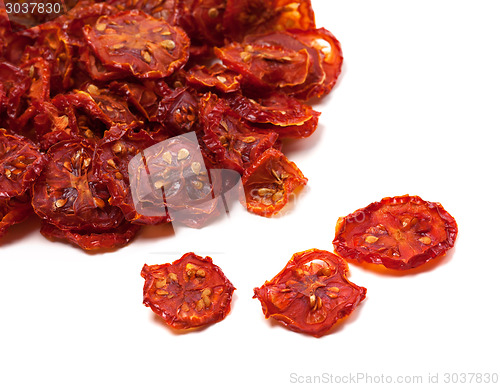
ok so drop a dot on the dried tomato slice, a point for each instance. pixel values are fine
(190, 292)
(115, 151)
(311, 293)
(331, 57)
(270, 181)
(276, 112)
(162, 9)
(244, 17)
(202, 21)
(400, 233)
(70, 194)
(266, 66)
(216, 76)
(117, 237)
(13, 210)
(178, 111)
(20, 164)
(138, 43)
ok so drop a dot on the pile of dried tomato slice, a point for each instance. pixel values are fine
(82, 94)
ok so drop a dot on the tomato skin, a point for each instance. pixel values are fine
(189, 293)
(14, 210)
(311, 293)
(419, 232)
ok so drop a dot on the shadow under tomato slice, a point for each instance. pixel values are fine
(270, 181)
(311, 293)
(190, 292)
(400, 233)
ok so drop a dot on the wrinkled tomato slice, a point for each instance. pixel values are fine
(266, 66)
(138, 43)
(311, 293)
(243, 17)
(190, 292)
(20, 164)
(400, 233)
(216, 76)
(70, 194)
(270, 182)
(234, 144)
(14, 210)
(115, 151)
(162, 9)
(118, 237)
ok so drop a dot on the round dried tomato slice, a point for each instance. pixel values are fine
(14, 210)
(70, 194)
(400, 233)
(270, 181)
(266, 66)
(311, 293)
(117, 237)
(20, 164)
(138, 43)
(190, 292)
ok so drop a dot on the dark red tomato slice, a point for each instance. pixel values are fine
(270, 181)
(93, 66)
(190, 292)
(202, 21)
(178, 111)
(311, 293)
(277, 113)
(400, 233)
(216, 76)
(244, 17)
(117, 237)
(233, 142)
(265, 66)
(115, 150)
(139, 44)
(13, 210)
(331, 56)
(20, 164)
(70, 194)
(170, 178)
(316, 74)
(143, 97)
(167, 10)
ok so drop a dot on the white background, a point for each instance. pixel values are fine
(416, 111)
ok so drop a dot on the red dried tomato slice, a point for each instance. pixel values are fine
(117, 237)
(234, 144)
(167, 10)
(278, 113)
(170, 179)
(20, 164)
(244, 17)
(330, 53)
(202, 21)
(311, 293)
(270, 181)
(400, 233)
(70, 194)
(178, 111)
(14, 210)
(266, 66)
(216, 76)
(115, 151)
(190, 292)
(139, 44)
